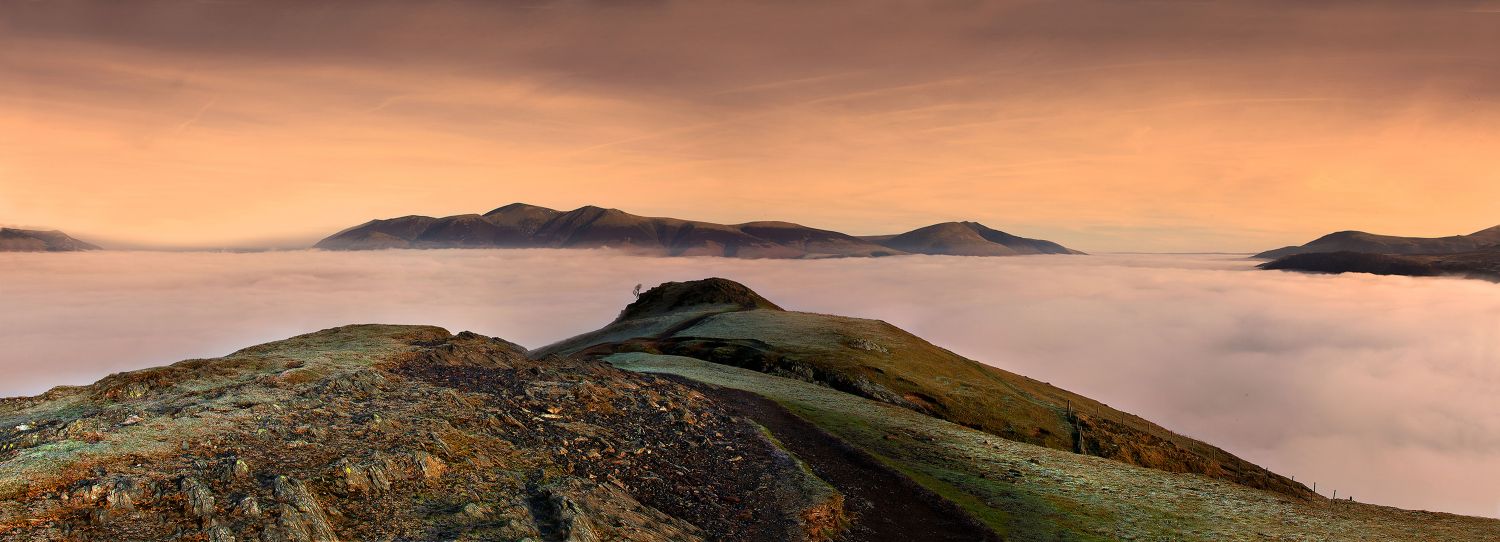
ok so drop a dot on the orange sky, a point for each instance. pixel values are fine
(1104, 125)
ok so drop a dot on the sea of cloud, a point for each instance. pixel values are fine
(1383, 388)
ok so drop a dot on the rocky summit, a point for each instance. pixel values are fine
(395, 433)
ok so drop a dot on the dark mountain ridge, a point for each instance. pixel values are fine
(1476, 255)
(519, 225)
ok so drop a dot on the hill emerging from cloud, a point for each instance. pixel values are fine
(19, 240)
(1358, 241)
(1476, 255)
(519, 225)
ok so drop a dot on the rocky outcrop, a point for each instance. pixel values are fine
(390, 433)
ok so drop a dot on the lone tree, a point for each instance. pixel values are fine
(637, 291)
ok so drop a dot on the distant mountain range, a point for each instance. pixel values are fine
(18, 240)
(1476, 255)
(519, 225)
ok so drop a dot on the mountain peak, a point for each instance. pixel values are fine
(597, 209)
(671, 296)
(970, 239)
(1491, 232)
(519, 207)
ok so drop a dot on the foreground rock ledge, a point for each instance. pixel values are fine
(395, 433)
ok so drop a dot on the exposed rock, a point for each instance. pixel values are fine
(476, 510)
(866, 344)
(198, 499)
(300, 518)
(220, 533)
(248, 507)
(385, 433)
(573, 520)
(431, 467)
(122, 495)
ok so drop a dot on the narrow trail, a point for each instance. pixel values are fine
(887, 506)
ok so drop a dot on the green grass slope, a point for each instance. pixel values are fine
(876, 360)
(1034, 493)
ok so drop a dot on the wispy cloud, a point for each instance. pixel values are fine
(198, 115)
(783, 84)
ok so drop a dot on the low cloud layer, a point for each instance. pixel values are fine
(1379, 387)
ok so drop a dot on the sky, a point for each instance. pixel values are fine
(1106, 125)
(1381, 388)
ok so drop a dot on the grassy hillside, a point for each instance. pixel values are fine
(876, 360)
(1027, 492)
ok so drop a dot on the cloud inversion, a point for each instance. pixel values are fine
(1379, 387)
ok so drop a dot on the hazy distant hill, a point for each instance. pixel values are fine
(1358, 241)
(18, 240)
(968, 239)
(519, 225)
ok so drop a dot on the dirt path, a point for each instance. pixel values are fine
(888, 507)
